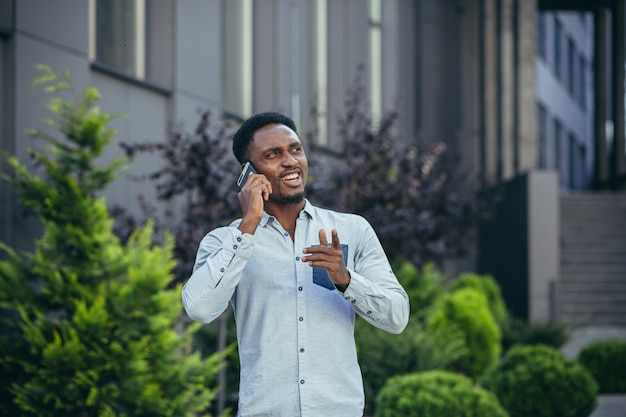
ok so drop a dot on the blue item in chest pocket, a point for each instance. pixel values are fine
(320, 276)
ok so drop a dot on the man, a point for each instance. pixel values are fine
(295, 275)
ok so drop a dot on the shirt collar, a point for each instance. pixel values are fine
(308, 210)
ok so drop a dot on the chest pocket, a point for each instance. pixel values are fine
(320, 276)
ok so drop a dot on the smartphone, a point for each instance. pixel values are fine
(248, 169)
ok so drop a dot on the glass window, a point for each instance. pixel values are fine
(120, 36)
(558, 150)
(573, 163)
(571, 65)
(375, 35)
(582, 91)
(237, 59)
(557, 47)
(541, 34)
(543, 140)
(320, 59)
(123, 33)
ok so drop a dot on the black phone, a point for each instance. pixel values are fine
(248, 169)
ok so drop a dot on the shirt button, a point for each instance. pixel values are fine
(302, 381)
(271, 219)
(297, 258)
(369, 312)
(301, 350)
(238, 239)
(222, 269)
(286, 234)
(301, 319)
(235, 247)
(353, 301)
(299, 288)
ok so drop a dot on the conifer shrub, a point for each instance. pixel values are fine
(436, 394)
(466, 311)
(539, 381)
(90, 325)
(606, 360)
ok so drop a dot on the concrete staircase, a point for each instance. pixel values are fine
(592, 286)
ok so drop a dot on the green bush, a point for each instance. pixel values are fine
(424, 286)
(516, 331)
(539, 381)
(383, 355)
(91, 327)
(488, 286)
(466, 310)
(436, 394)
(606, 360)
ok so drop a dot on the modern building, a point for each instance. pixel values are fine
(525, 90)
(565, 96)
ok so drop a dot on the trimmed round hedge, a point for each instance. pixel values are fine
(435, 394)
(606, 360)
(539, 381)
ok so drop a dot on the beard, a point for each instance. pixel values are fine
(288, 199)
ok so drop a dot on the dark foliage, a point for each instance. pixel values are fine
(198, 177)
(606, 360)
(517, 331)
(411, 195)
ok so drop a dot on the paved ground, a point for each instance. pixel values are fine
(608, 405)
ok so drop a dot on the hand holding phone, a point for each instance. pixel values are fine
(248, 169)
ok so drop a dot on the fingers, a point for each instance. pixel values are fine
(322, 237)
(258, 183)
(335, 237)
(330, 258)
(324, 247)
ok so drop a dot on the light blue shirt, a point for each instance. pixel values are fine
(295, 330)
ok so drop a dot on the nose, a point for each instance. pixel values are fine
(289, 159)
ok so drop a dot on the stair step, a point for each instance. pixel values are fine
(615, 307)
(598, 258)
(595, 276)
(583, 267)
(585, 286)
(593, 318)
(600, 299)
(592, 283)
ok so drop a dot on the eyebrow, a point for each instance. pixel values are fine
(279, 148)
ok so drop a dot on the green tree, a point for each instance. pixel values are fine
(90, 327)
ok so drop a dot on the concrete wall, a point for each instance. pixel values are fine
(520, 246)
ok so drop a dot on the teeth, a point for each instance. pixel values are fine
(291, 177)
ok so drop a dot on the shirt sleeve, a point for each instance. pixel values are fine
(374, 291)
(220, 260)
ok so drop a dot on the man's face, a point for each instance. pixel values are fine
(277, 153)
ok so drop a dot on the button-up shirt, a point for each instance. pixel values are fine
(295, 330)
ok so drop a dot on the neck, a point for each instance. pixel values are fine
(285, 214)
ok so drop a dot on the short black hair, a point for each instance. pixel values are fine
(243, 136)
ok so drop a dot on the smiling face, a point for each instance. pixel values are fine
(276, 152)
